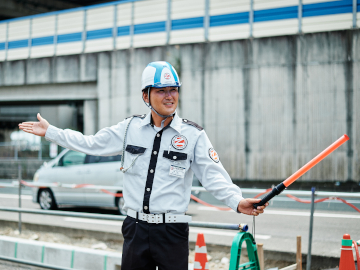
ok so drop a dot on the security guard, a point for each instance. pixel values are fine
(160, 152)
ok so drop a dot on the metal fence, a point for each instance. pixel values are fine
(29, 156)
(20, 150)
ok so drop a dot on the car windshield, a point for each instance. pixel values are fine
(72, 158)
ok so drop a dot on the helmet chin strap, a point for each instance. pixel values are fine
(151, 107)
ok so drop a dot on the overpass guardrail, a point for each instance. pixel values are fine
(147, 23)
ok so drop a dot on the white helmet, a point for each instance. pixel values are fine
(159, 74)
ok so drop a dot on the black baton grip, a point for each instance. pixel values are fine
(276, 191)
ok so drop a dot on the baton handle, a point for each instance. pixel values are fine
(276, 191)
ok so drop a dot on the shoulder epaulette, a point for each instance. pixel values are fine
(192, 124)
(137, 115)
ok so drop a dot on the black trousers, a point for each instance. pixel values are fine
(147, 245)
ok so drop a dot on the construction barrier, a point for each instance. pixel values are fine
(287, 195)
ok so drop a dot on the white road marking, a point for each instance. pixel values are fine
(224, 233)
(292, 213)
(206, 208)
(13, 196)
(93, 221)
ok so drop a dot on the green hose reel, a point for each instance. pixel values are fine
(235, 253)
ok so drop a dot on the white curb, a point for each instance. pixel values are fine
(59, 254)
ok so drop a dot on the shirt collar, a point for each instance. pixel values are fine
(146, 120)
(175, 123)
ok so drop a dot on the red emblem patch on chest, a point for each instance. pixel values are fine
(179, 142)
(213, 155)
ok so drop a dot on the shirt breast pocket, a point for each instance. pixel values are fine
(136, 150)
(178, 163)
(133, 153)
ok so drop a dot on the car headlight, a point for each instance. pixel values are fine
(36, 177)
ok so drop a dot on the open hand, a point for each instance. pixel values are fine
(246, 206)
(36, 128)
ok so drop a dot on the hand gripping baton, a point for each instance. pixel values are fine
(279, 188)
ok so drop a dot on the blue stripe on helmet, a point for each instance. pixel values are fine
(173, 72)
(159, 68)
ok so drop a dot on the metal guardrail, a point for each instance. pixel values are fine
(212, 225)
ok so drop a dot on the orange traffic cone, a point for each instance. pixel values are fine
(200, 261)
(346, 257)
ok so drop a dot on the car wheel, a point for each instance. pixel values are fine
(47, 199)
(120, 204)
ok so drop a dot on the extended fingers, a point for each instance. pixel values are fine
(27, 127)
(28, 130)
(26, 124)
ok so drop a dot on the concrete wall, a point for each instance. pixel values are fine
(268, 105)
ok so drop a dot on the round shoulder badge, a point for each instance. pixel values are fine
(213, 155)
(179, 142)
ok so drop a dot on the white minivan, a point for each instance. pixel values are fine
(71, 167)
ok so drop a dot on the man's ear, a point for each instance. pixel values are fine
(145, 96)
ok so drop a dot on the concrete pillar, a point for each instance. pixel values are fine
(90, 117)
(104, 90)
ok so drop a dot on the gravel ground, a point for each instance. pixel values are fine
(217, 260)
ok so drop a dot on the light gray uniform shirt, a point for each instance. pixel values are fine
(160, 180)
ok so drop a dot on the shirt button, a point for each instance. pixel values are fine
(145, 207)
(174, 157)
(148, 189)
(155, 152)
(151, 171)
(158, 135)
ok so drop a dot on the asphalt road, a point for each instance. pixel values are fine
(277, 228)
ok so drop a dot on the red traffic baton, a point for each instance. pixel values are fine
(280, 188)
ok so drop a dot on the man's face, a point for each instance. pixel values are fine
(163, 100)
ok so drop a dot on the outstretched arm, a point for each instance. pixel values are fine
(36, 128)
(107, 142)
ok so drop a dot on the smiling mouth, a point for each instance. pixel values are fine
(168, 103)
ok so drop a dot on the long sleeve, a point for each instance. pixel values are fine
(213, 175)
(107, 142)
